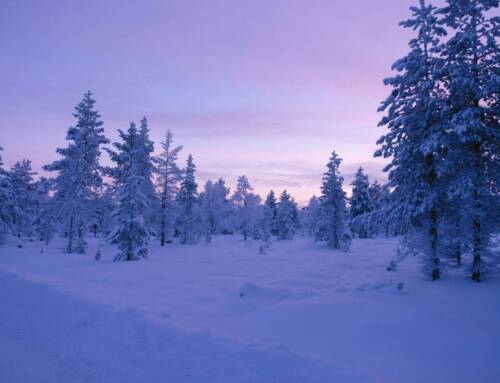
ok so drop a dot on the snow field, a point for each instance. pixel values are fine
(341, 314)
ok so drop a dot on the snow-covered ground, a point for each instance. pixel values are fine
(225, 313)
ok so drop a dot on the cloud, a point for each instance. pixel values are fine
(247, 122)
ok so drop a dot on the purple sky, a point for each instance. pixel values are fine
(263, 88)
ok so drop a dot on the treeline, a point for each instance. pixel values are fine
(154, 198)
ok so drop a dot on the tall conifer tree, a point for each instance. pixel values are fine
(331, 215)
(471, 77)
(189, 209)
(169, 176)
(78, 173)
(415, 117)
(286, 216)
(361, 203)
(131, 233)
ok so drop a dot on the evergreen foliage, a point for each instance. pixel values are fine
(45, 222)
(24, 204)
(331, 215)
(361, 203)
(169, 177)
(272, 205)
(216, 208)
(286, 217)
(188, 220)
(78, 174)
(131, 233)
(6, 199)
(247, 209)
(443, 140)
(471, 76)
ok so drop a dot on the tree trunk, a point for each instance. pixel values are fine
(458, 254)
(476, 220)
(433, 233)
(433, 220)
(69, 247)
(476, 250)
(476, 150)
(163, 211)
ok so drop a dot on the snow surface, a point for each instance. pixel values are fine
(225, 313)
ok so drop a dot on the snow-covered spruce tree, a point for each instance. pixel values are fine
(375, 191)
(45, 221)
(471, 76)
(331, 225)
(286, 217)
(146, 164)
(103, 207)
(272, 204)
(25, 202)
(78, 175)
(188, 220)
(378, 219)
(390, 217)
(361, 204)
(207, 211)
(247, 209)
(223, 208)
(215, 207)
(265, 224)
(416, 141)
(169, 176)
(309, 216)
(251, 216)
(130, 233)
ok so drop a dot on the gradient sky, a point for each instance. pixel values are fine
(266, 88)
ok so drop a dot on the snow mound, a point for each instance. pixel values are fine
(252, 291)
(251, 297)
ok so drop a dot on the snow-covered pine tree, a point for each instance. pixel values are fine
(215, 207)
(130, 233)
(265, 228)
(223, 208)
(286, 216)
(378, 219)
(331, 226)
(25, 201)
(45, 222)
(103, 208)
(272, 204)
(309, 216)
(388, 217)
(471, 76)
(247, 209)
(252, 214)
(415, 117)
(361, 204)
(78, 173)
(375, 191)
(188, 220)
(169, 176)
(207, 211)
